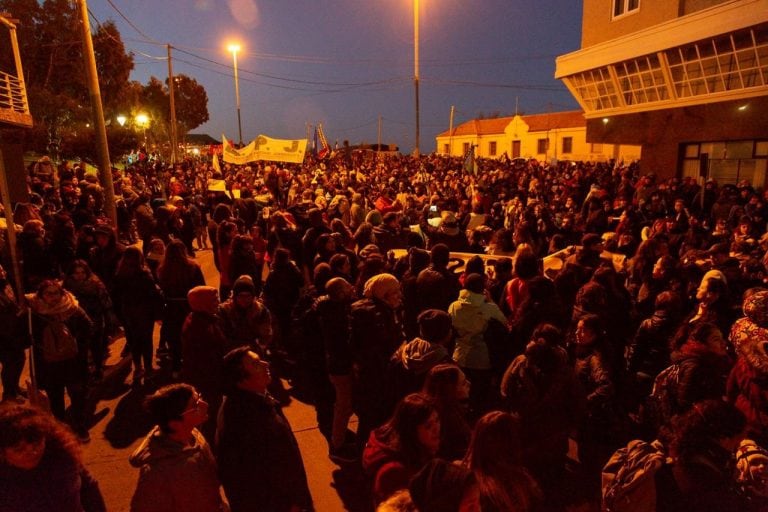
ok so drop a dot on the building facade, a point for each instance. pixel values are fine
(557, 135)
(687, 80)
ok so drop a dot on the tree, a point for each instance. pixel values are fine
(52, 55)
(191, 105)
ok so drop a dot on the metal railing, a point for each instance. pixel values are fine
(12, 94)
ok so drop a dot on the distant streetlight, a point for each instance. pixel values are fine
(121, 119)
(416, 67)
(143, 121)
(234, 48)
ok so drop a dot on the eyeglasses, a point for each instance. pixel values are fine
(198, 405)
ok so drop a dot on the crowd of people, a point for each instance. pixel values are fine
(416, 296)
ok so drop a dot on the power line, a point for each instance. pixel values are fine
(132, 25)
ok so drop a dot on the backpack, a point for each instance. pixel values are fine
(629, 477)
(57, 343)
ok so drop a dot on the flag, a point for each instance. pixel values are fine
(216, 166)
(469, 160)
(325, 149)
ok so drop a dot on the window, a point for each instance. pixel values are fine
(567, 145)
(622, 7)
(541, 146)
(492, 148)
(466, 148)
(446, 149)
(596, 148)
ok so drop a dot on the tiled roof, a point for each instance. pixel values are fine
(535, 122)
(555, 120)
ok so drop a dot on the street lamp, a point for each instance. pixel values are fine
(143, 120)
(121, 119)
(416, 67)
(234, 48)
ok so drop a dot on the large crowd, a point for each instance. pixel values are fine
(525, 336)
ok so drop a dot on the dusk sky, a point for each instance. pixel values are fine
(344, 63)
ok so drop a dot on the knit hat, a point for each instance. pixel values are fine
(243, 284)
(201, 297)
(434, 325)
(380, 285)
(440, 486)
(749, 458)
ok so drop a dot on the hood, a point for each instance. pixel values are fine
(420, 355)
(377, 453)
(756, 308)
(469, 297)
(156, 447)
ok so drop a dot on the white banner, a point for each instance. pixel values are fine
(266, 148)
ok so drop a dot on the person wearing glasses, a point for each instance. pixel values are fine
(41, 466)
(177, 470)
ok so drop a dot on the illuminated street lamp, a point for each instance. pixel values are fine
(121, 119)
(143, 121)
(234, 48)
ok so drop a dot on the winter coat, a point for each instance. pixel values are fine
(203, 347)
(409, 365)
(387, 468)
(470, 316)
(175, 477)
(137, 300)
(649, 351)
(334, 318)
(375, 333)
(436, 288)
(57, 483)
(260, 464)
(252, 326)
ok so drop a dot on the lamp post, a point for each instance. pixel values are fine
(234, 48)
(416, 68)
(121, 119)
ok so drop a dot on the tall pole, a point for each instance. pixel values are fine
(450, 131)
(105, 168)
(234, 49)
(171, 89)
(378, 138)
(416, 68)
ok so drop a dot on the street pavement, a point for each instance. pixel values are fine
(120, 424)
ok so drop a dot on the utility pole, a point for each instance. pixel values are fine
(171, 89)
(378, 140)
(450, 131)
(416, 68)
(105, 168)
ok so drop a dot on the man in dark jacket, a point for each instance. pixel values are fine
(387, 235)
(436, 286)
(106, 255)
(260, 464)
(333, 312)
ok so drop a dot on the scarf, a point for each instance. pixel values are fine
(63, 309)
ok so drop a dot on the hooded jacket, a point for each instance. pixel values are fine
(174, 477)
(470, 315)
(409, 365)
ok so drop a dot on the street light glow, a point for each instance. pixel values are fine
(121, 119)
(142, 119)
(233, 48)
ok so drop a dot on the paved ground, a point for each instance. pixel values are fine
(120, 424)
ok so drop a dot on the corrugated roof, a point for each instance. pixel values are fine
(535, 122)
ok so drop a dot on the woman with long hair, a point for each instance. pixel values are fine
(92, 295)
(449, 388)
(41, 467)
(177, 274)
(61, 331)
(399, 448)
(137, 301)
(495, 458)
